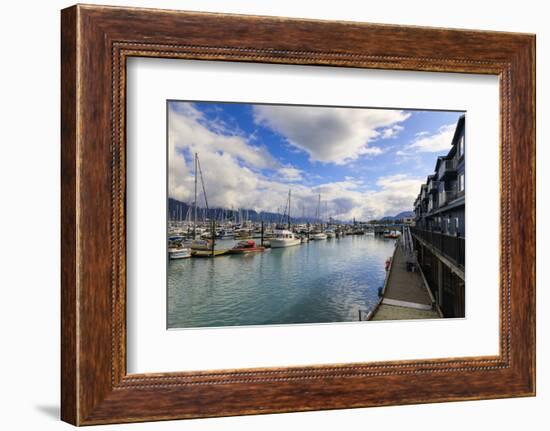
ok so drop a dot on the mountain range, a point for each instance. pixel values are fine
(177, 210)
(399, 216)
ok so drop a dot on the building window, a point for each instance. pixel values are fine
(461, 182)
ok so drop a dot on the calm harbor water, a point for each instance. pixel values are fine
(317, 282)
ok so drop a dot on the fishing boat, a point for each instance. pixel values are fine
(284, 238)
(369, 232)
(177, 248)
(224, 234)
(318, 236)
(179, 253)
(248, 246)
(330, 233)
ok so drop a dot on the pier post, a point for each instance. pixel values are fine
(262, 235)
(213, 236)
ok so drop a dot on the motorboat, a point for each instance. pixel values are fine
(179, 253)
(318, 236)
(284, 238)
(248, 246)
(225, 234)
(177, 248)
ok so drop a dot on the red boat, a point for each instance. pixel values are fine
(248, 246)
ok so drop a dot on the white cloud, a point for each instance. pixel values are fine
(232, 166)
(394, 194)
(373, 151)
(391, 132)
(189, 129)
(348, 199)
(290, 174)
(330, 135)
(436, 142)
(240, 174)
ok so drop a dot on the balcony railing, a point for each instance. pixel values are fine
(446, 196)
(433, 186)
(447, 169)
(452, 247)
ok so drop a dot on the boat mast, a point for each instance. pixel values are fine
(195, 202)
(288, 209)
(319, 209)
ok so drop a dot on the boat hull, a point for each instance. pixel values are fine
(209, 253)
(246, 250)
(179, 254)
(284, 242)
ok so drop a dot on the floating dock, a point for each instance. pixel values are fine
(405, 294)
(208, 253)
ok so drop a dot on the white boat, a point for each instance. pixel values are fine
(179, 253)
(284, 238)
(330, 233)
(369, 232)
(225, 234)
(318, 236)
(201, 244)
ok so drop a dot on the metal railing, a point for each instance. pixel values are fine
(446, 196)
(452, 247)
(445, 167)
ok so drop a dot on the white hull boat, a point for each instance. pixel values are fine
(284, 238)
(318, 236)
(179, 253)
(201, 244)
(330, 234)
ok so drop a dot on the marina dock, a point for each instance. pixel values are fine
(405, 294)
(209, 253)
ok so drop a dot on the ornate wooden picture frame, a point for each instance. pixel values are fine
(96, 41)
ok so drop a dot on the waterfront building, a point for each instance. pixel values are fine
(439, 231)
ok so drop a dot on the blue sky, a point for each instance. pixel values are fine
(365, 163)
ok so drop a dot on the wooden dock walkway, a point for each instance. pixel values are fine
(406, 295)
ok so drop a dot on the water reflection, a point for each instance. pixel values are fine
(318, 282)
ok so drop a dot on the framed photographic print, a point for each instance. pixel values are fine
(260, 217)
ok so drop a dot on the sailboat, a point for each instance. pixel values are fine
(318, 234)
(199, 244)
